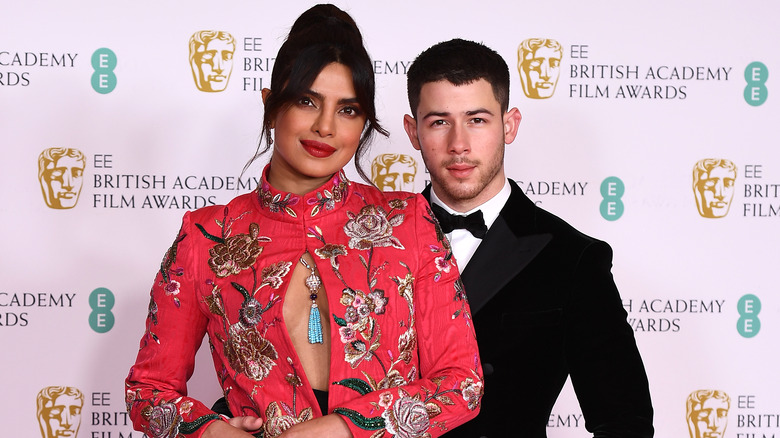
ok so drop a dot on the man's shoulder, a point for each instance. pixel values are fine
(532, 218)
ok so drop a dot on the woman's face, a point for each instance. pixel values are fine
(317, 134)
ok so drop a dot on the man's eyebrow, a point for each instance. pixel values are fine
(479, 111)
(436, 114)
(468, 113)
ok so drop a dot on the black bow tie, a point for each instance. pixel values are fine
(474, 223)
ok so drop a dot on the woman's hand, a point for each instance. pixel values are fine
(329, 426)
(239, 427)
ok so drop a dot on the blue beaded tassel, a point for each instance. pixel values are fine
(315, 325)
(315, 322)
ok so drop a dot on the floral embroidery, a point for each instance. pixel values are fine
(170, 257)
(372, 228)
(164, 421)
(460, 296)
(185, 407)
(236, 253)
(472, 391)
(279, 415)
(249, 353)
(445, 261)
(245, 348)
(408, 418)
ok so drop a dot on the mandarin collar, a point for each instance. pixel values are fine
(327, 197)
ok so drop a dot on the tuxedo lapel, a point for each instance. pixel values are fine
(509, 245)
(498, 259)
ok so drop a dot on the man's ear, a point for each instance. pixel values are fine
(512, 120)
(410, 126)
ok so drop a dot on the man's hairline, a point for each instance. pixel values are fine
(444, 79)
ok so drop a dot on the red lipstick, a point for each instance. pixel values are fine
(317, 149)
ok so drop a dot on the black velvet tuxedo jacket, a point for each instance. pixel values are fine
(545, 306)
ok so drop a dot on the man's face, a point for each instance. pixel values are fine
(539, 72)
(214, 61)
(62, 416)
(710, 418)
(461, 132)
(716, 190)
(62, 181)
(397, 176)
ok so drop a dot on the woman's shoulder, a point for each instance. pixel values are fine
(373, 195)
(235, 206)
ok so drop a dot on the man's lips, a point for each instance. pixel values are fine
(460, 170)
(317, 149)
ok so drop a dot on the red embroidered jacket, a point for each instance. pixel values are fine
(404, 356)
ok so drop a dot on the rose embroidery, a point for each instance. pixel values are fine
(372, 228)
(237, 253)
(407, 419)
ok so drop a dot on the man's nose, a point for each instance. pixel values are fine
(458, 141)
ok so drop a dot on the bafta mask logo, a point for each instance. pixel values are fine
(211, 59)
(539, 64)
(707, 413)
(713, 186)
(59, 411)
(61, 175)
(394, 172)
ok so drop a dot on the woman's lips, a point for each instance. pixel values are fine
(317, 149)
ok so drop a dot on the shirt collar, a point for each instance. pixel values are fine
(326, 197)
(490, 209)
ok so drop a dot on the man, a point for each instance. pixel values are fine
(394, 172)
(713, 186)
(543, 299)
(707, 413)
(59, 411)
(539, 65)
(61, 176)
(211, 59)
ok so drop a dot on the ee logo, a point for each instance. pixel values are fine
(101, 301)
(756, 75)
(104, 63)
(612, 189)
(748, 324)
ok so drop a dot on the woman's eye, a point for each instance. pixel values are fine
(351, 111)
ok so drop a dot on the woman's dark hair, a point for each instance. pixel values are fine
(322, 35)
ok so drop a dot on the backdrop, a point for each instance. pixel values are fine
(653, 126)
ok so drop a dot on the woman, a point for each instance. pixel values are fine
(331, 308)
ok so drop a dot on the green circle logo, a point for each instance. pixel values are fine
(756, 75)
(748, 324)
(612, 190)
(101, 301)
(104, 62)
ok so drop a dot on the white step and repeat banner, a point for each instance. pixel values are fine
(657, 132)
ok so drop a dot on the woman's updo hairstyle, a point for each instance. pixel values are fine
(322, 35)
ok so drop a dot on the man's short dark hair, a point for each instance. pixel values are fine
(459, 62)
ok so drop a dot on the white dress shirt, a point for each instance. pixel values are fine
(463, 243)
